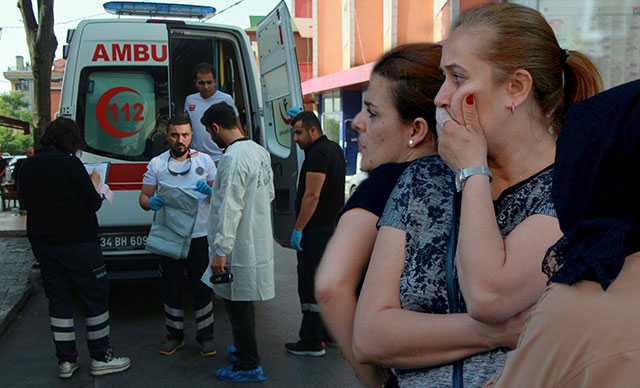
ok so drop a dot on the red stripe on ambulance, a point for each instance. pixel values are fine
(125, 186)
(128, 52)
(126, 176)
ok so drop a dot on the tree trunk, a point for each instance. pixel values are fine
(42, 49)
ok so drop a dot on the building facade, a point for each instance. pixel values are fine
(349, 35)
(21, 79)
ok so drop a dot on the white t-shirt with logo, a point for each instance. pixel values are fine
(202, 169)
(194, 107)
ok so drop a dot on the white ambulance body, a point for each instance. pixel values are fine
(125, 77)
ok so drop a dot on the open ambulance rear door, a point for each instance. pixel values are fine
(281, 90)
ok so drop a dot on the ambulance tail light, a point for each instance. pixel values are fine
(134, 8)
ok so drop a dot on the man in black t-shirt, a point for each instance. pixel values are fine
(319, 200)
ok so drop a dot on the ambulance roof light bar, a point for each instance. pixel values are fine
(135, 8)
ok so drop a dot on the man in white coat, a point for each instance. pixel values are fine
(240, 237)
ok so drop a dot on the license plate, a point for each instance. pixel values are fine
(122, 241)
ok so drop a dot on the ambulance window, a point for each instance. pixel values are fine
(123, 113)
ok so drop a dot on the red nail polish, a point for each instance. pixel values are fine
(469, 99)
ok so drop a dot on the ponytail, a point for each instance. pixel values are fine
(581, 81)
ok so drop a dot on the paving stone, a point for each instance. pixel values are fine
(16, 261)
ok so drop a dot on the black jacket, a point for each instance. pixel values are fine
(60, 199)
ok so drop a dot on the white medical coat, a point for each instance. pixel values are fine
(240, 222)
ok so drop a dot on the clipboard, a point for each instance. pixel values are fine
(102, 168)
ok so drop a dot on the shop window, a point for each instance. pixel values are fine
(331, 116)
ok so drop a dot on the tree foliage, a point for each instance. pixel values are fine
(42, 48)
(14, 143)
(15, 105)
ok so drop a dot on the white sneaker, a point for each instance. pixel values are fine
(110, 365)
(66, 369)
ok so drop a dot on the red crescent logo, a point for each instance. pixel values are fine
(101, 112)
(286, 120)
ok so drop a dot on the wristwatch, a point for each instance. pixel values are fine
(464, 173)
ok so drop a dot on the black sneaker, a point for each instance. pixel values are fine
(170, 346)
(207, 348)
(305, 349)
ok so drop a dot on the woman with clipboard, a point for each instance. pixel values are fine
(62, 200)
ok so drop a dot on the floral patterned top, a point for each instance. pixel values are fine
(526, 198)
(421, 205)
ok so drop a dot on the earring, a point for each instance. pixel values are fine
(513, 108)
(410, 142)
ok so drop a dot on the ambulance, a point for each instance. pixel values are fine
(125, 77)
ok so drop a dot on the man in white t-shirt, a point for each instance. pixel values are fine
(191, 170)
(196, 104)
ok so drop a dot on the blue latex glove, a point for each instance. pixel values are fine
(293, 112)
(202, 187)
(156, 203)
(296, 237)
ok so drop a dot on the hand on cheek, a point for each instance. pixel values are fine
(463, 145)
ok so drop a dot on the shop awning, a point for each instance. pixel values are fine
(17, 124)
(355, 75)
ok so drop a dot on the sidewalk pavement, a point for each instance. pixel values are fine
(16, 261)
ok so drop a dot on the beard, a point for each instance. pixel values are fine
(218, 140)
(175, 151)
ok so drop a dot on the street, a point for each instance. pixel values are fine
(27, 354)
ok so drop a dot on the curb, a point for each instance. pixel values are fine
(13, 233)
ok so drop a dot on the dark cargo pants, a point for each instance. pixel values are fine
(313, 243)
(78, 267)
(172, 272)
